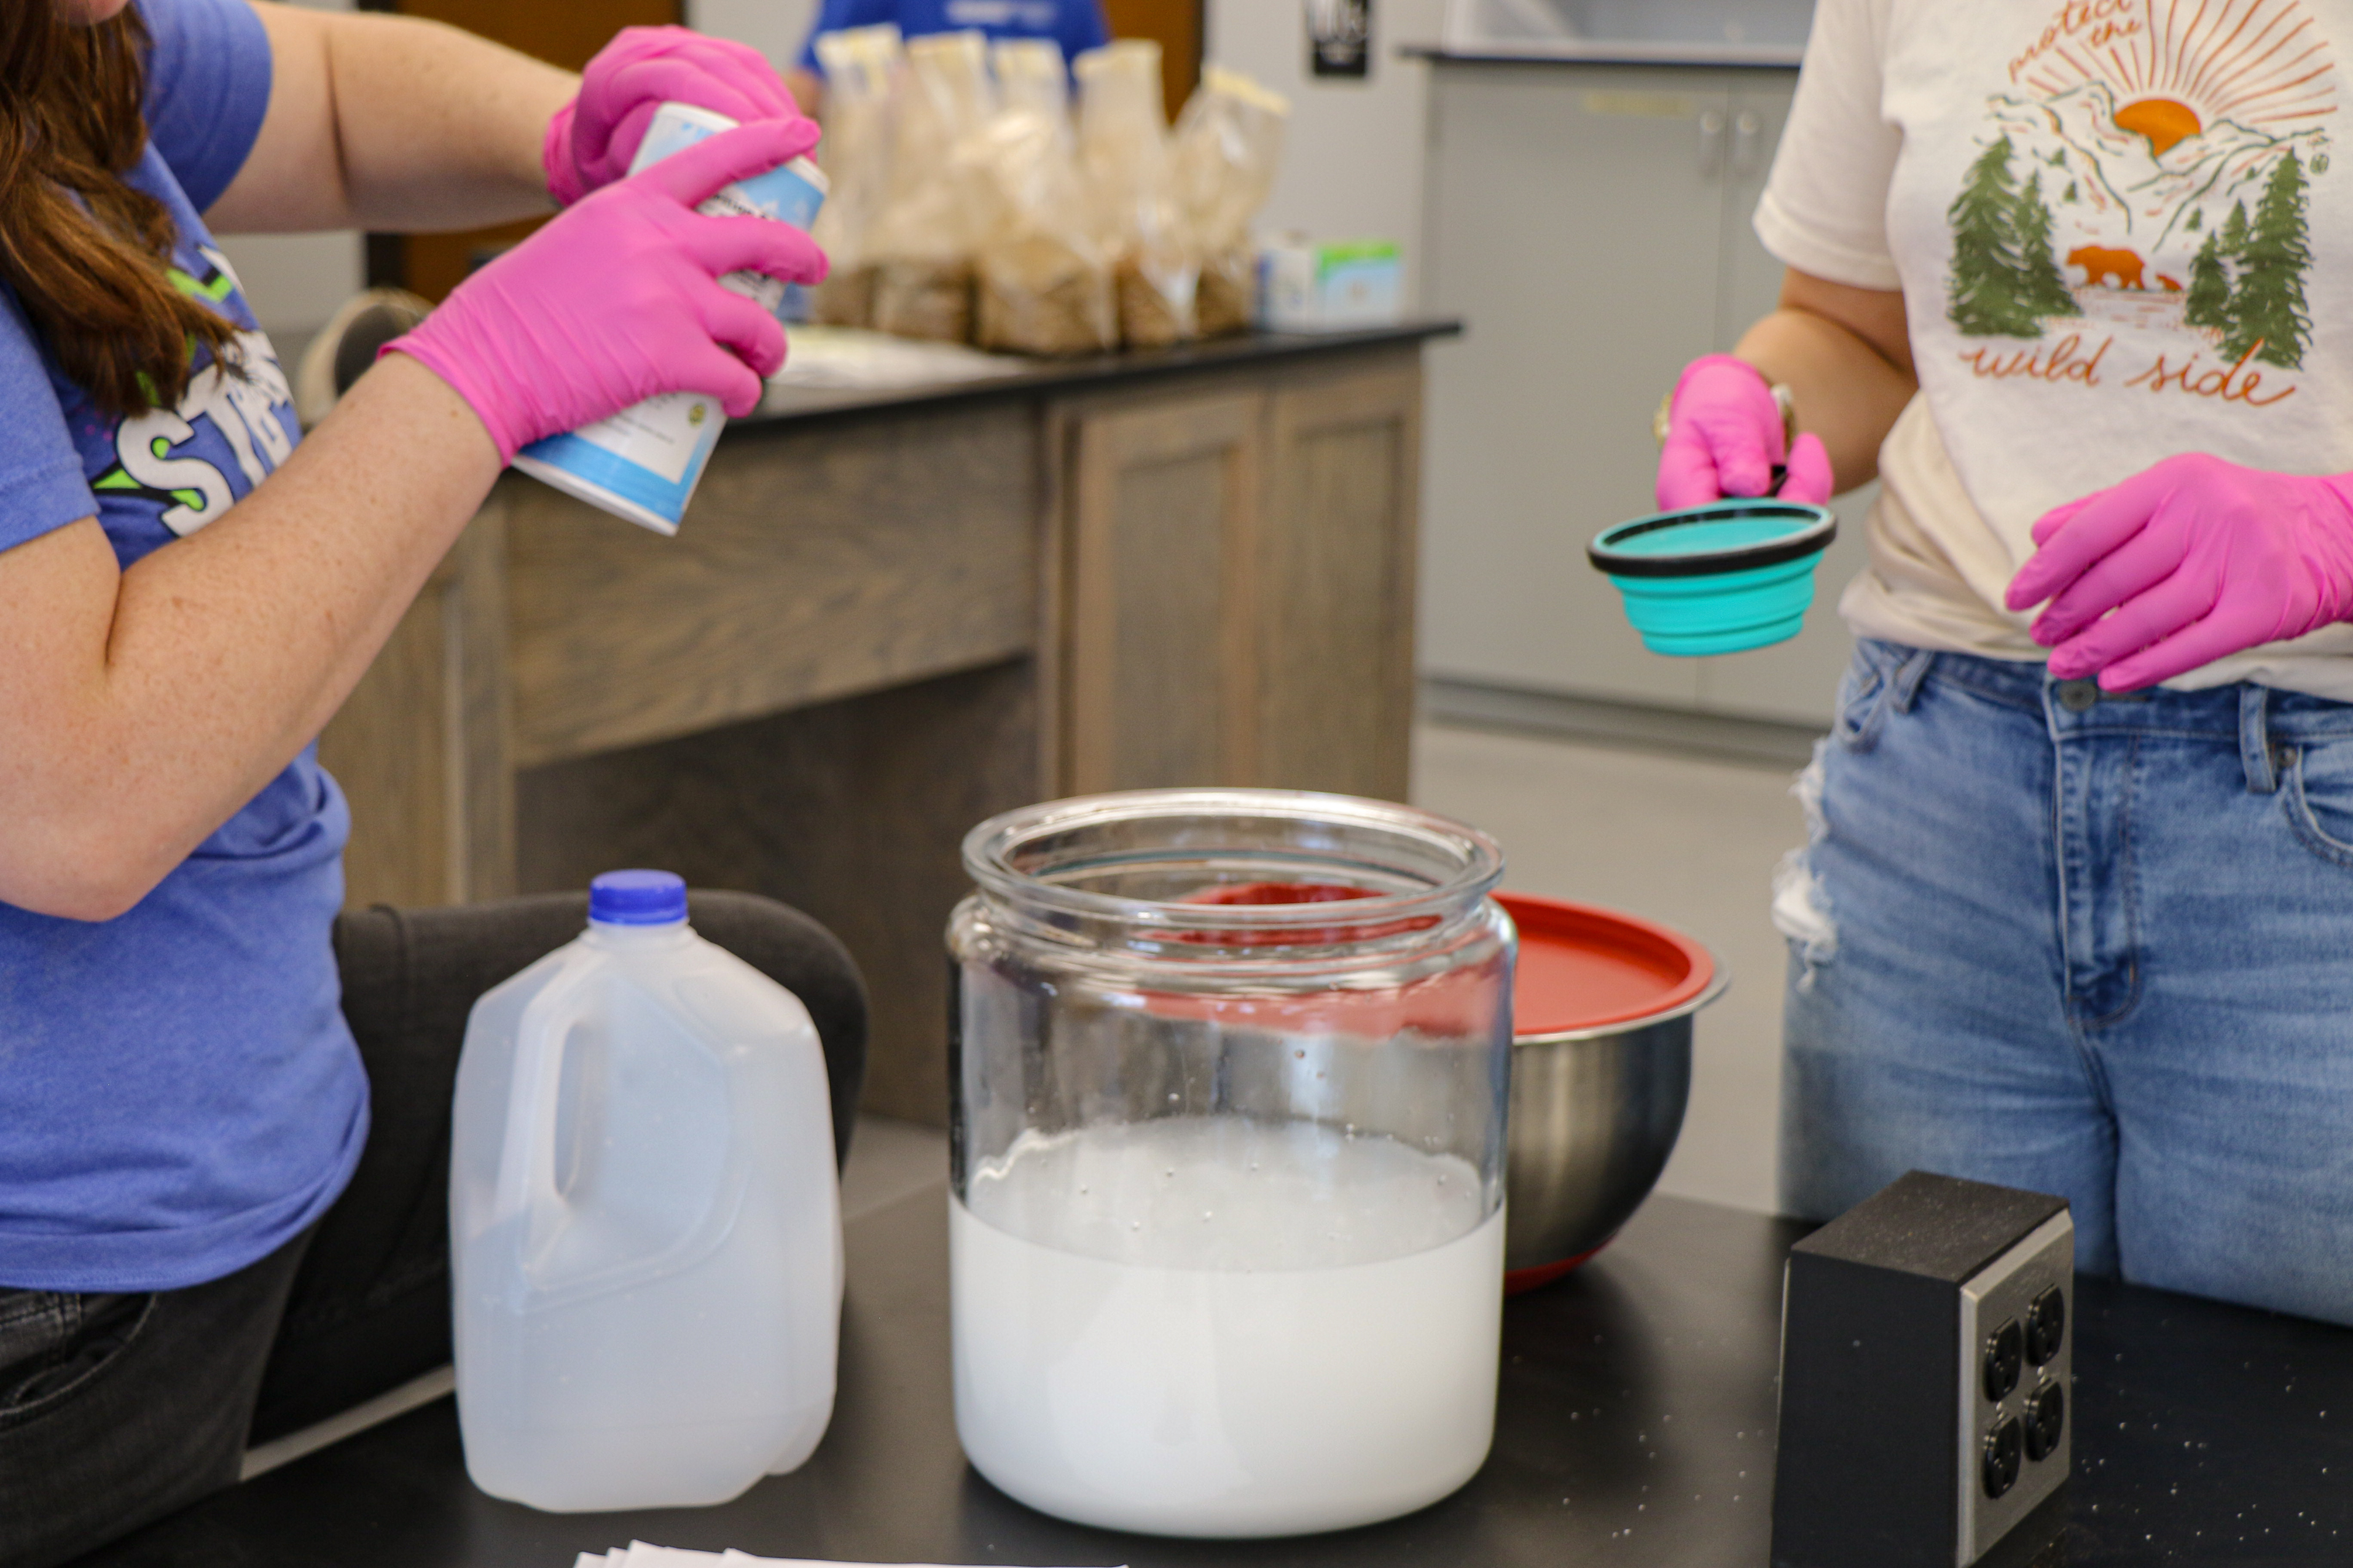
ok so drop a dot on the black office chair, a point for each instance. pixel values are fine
(410, 978)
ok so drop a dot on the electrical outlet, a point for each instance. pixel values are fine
(2017, 1359)
(1926, 1346)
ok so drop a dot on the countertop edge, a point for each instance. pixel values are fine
(1605, 52)
(1095, 374)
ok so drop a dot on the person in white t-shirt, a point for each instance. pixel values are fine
(2073, 278)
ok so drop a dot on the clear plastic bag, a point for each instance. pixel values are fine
(1226, 154)
(863, 68)
(1044, 279)
(923, 241)
(1123, 143)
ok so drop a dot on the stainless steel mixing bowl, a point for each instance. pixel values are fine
(1594, 1113)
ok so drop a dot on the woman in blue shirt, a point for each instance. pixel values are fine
(186, 596)
(1076, 25)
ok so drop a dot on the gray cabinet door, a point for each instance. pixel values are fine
(1798, 681)
(1575, 219)
(1592, 226)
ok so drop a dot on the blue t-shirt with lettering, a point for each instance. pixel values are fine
(179, 1094)
(1076, 25)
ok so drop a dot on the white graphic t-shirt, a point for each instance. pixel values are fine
(2120, 233)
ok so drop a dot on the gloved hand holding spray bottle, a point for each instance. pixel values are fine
(644, 462)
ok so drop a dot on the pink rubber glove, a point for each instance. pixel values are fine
(592, 139)
(1725, 438)
(2188, 562)
(619, 299)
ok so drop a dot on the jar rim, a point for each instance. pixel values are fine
(989, 852)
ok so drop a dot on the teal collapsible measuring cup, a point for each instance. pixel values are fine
(1726, 577)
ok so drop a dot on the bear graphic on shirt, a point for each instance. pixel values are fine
(2149, 167)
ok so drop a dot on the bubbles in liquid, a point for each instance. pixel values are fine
(1257, 1195)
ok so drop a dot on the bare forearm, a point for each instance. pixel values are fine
(395, 123)
(1846, 391)
(221, 656)
(440, 129)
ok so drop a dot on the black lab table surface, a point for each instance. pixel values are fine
(1635, 1428)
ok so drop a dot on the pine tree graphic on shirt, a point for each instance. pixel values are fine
(2207, 303)
(2042, 289)
(2183, 149)
(1988, 283)
(2267, 315)
(2005, 279)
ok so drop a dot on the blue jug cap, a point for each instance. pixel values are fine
(638, 899)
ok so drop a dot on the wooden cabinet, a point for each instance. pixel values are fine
(1241, 584)
(880, 626)
(1591, 224)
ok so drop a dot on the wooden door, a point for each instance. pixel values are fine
(567, 33)
(1176, 26)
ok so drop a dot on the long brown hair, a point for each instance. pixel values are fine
(84, 251)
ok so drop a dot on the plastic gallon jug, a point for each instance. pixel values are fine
(644, 1219)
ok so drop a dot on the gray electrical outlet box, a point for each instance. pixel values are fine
(1926, 1347)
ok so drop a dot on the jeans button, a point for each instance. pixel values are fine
(2079, 696)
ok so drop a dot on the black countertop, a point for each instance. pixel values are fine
(1090, 372)
(1635, 1428)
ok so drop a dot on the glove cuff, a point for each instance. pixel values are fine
(426, 351)
(556, 158)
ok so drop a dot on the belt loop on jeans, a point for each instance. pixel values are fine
(2255, 741)
(1904, 688)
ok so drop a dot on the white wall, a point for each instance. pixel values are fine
(1354, 166)
(775, 27)
(294, 281)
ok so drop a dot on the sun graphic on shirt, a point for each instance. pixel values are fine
(2178, 67)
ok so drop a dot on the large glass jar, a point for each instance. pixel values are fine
(1230, 1070)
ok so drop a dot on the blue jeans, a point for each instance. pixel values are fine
(2091, 945)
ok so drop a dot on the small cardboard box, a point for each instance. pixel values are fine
(1330, 285)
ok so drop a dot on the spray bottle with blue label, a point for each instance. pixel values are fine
(644, 462)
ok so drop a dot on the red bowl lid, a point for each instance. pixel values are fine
(1584, 968)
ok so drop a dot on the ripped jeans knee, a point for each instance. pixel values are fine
(1801, 905)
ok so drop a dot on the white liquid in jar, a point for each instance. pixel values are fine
(1222, 1327)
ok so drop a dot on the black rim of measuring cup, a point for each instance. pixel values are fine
(1811, 540)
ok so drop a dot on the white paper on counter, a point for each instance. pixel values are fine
(852, 358)
(637, 1554)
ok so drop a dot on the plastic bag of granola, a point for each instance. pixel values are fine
(1124, 145)
(1044, 279)
(1226, 154)
(922, 242)
(863, 67)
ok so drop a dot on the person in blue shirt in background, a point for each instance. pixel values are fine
(1076, 24)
